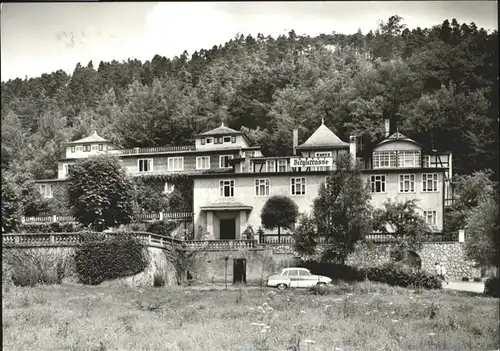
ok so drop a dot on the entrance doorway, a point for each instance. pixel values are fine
(239, 271)
(228, 229)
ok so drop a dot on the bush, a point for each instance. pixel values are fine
(492, 287)
(98, 259)
(162, 227)
(54, 227)
(32, 267)
(392, 274)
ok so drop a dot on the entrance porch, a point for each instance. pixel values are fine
(223, 221)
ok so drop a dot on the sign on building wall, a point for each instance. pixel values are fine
(311, 162)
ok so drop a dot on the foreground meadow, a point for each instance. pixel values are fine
(363, 316)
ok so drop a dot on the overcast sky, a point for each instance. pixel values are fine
(41, 38)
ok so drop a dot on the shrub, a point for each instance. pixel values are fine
(492, 287)
(392, 274)
(54, 227)
(162, 227)
(98, 259)
(158, 280)
(32, 267)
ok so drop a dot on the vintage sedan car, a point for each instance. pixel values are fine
(296, 278)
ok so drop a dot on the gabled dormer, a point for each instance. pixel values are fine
(397, 151)
(88, 146)
(221, 138)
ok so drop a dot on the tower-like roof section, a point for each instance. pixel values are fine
(94, 138)
(398, 137)
(222, 130)
(323, 138)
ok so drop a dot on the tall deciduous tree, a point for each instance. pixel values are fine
(342, 210)
(305, 235)
(402, 220)
(483, 233)
(100, 193)
(11, 209)
(279, 212)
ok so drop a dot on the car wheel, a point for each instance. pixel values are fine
(322, 285)
(281, 286)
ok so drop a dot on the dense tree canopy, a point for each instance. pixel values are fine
(438, 84)
(101, 194)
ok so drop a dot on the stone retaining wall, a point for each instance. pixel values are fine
(450, 254)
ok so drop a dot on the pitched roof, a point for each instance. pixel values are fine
(222, 130)
(323, 137)
(94, 138)
(398, 137)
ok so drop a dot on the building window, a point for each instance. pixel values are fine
(86, 148)
(426, 162)
(66, 170)
(94, 147)
(79, 148)
(384, 159)
(298, 186)
(429, 182)
(378, 183)
(145, 165)
(224, 161)
(281, 165)
(407, 183)
(227, 139)
(408, 158)
(226, 188)
(233, 139)
(46, 190)
(169, 187)
(175, 163)
(262, 187)
(430, 218)
(209, 140)
(73, 149)
(203, 162)
(100, 147)
(271, 166)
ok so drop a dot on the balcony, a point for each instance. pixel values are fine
(152, 150)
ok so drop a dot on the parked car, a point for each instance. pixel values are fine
(295, 277)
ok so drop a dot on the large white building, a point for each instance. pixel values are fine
(233, 180)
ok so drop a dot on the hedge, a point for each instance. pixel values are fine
(98, 259)
(391, 274)
(492, 287)
(54, 227)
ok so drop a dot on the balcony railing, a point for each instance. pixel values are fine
(73, 239)
(272, 239)
(219, 244)
(152, 150)
(141, 216)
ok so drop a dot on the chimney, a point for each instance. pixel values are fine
(352, 148)
(387, 127)
(295, 140)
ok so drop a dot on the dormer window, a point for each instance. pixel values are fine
(86, 148)
(72, 149)
(409, 158)
(227, 139)
(233, 139)
(100, 147)
(209, 140)
(384, 159)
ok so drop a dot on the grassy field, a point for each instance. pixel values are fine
(363, 316)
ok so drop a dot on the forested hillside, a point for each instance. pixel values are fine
(439, 85)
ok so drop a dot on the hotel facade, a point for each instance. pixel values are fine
(232, 180)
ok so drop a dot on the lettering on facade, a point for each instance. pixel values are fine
(311, 162)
